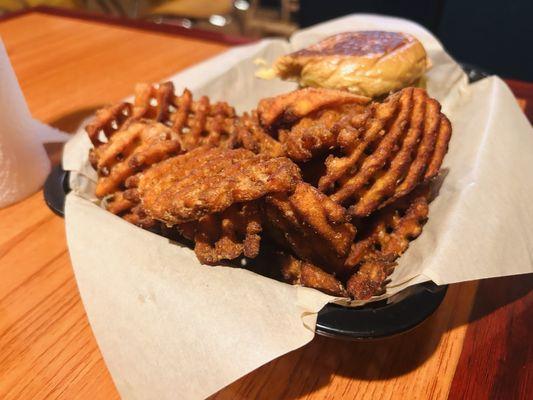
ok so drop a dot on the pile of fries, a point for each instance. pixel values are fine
(328, 186)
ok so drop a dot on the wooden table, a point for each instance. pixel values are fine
(477, 345)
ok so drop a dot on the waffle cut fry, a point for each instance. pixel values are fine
(130, 137)
(208, 180)
(228, 235)
(387, 151)
(298, 272)
(130, 150)
(197, 123)
(312, 226)
(211, 195)
(385, 237)
(252, 136)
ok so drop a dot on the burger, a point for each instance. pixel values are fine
(368, 63)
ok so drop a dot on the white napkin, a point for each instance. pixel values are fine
(24, 163)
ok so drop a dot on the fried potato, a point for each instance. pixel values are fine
(338, 219)
(370, 279)
(130, 150)
(388, 150)
(315, 228)
(200, 123)
(137, 216)
(209, 180)
(290, 107)
(130, 137)
(299, 272)
(385, 237)
(197, 123)
(129, 210)
(252, 136)
(227, 235)
(317, 132)
(105, 123)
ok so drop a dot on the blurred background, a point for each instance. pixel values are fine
(496, 36)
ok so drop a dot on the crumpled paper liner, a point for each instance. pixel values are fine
(169, 327)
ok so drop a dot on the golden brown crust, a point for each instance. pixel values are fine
(128, 138)
(196, 123)
(370, 279)
(107, 121)
(286, 108)
(252, 136)
(312, 226)
(227, 235)
(130, 150)
(153, 101)
(117, 203)
(209, 180)
(138, 217)
(374, 158)
(386, 236)
(441, 148)
(299, 272)
(317, 132)
(388, 151)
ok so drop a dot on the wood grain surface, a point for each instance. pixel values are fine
(67, 68)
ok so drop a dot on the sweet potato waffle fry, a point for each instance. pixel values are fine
(298, 272)
(305, 121)
(209, 180)
(385, 237)
(282, 110)
(227, 235)
(377, 153)
(128, 138)
(197, 123)
(210, 196)
(388, 151)
(316, 133)
(252, 136)
(118, 204)
(129, 150)
(315, 228)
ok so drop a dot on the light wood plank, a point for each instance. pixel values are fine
(66, 68)
(66, 65)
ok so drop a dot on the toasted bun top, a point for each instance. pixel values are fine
(369, 63)
(362, 43)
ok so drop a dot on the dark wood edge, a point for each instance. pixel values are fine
(521, 86)
(524, 91)
(14, 14)
(132, 23)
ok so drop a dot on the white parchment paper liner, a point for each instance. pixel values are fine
(169, 327)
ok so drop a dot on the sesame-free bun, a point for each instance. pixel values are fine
(368, 63)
